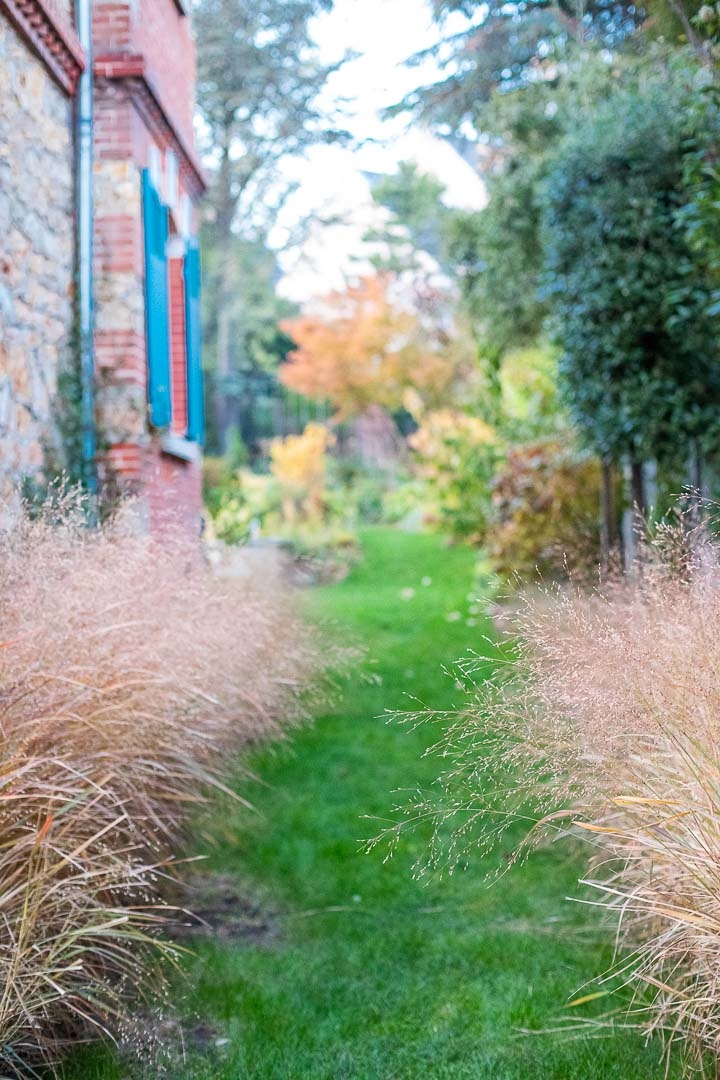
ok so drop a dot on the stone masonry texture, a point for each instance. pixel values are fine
(36, 257)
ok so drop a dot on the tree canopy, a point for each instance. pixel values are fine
(631, 302)
(259, 83)
(509, 45)
(362, 347)
(415, 199)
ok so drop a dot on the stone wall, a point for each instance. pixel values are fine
(120, 353)
(36, 256)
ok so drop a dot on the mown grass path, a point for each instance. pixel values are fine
(371, 975)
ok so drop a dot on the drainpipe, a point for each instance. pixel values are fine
(85, 243)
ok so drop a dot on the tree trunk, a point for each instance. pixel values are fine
(698, 478)
(698, 483)
(226, 206)
(608, 512)
(634, 517)
(697, 472)
(221, 421)
(637, 488)
(224, 336)
(375, 438)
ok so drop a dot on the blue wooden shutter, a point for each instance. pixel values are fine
(156, 304)
(196, 402)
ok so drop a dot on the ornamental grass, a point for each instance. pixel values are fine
(130, 677)
(606, 728)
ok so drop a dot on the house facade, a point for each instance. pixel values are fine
(99, 285)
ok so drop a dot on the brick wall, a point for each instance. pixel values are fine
(158, 34)
(36, 256)
(163, 36)
(112, 22)
(120, 357)
(173, 494)
(178, 348)
(143, 109)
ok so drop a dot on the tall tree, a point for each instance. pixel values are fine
(507, 45)
(496, 255)
(419, 217)
(370, 356)
(256, 345)
(632, 302)
(361, 348)
(259, 81)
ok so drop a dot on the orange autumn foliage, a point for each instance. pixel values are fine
(362, 349)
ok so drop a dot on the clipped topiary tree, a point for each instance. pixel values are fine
(631, 301)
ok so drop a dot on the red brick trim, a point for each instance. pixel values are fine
(178, 347)
(130, 68)
(125, 460)
(119, 66)
(121, 357)
(51, 36)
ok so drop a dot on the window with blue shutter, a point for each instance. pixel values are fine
(156, 304)
(196, 403)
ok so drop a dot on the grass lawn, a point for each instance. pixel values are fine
(369, 974)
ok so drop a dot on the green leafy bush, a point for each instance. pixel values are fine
(406, 503)
(219, 480)
(631, 298)
(457, 455)
(245, 506)
(546, 507)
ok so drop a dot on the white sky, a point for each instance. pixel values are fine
(332, 181)
(385, 33)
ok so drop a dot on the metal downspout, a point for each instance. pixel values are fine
(85, 244)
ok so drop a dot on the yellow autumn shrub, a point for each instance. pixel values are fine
(456, 456)
(299, 464)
